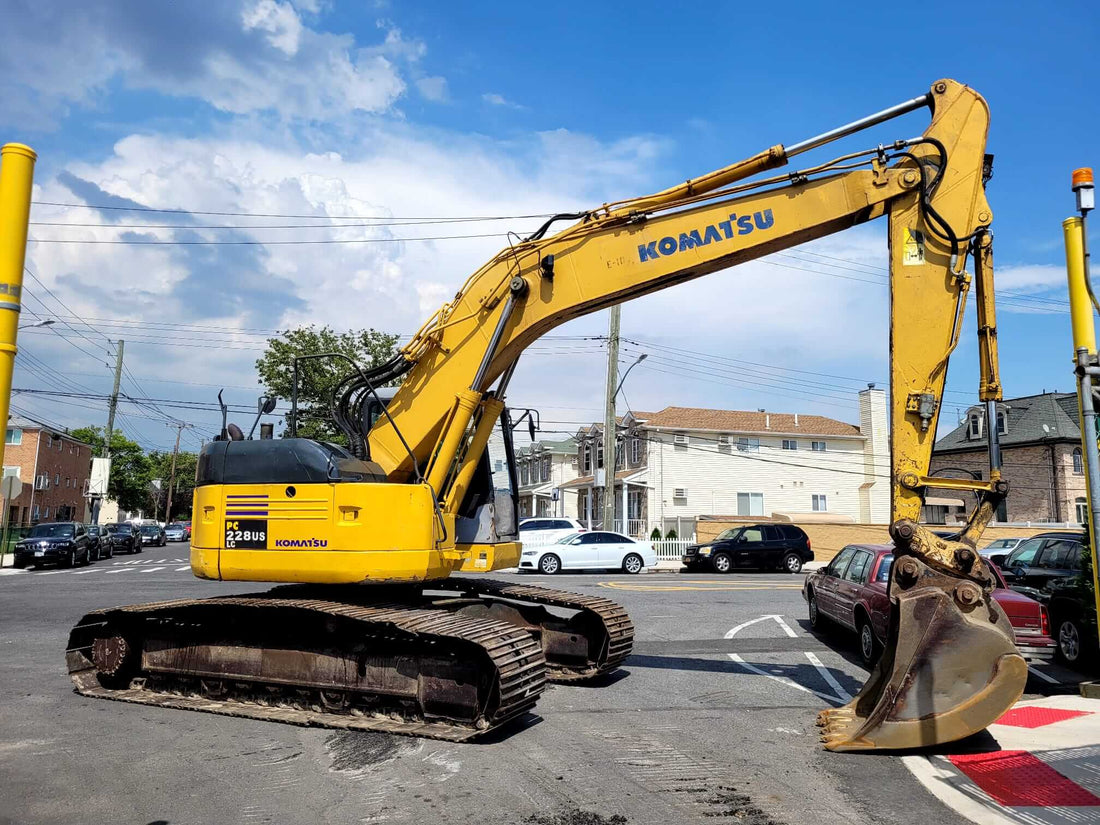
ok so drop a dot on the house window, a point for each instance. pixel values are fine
(748, 445)
(60, 444)
(817, 446)
(1078, 464)
(790, 444)
(36, 512)
(498, 466)
(635, 450)
(57, 479)
(1082, 508)
(820, 505)
(524, 474)
(14, 435)
(49, 441)
(544, 469)
(46, 513)
(974, 426)
(619, 455)
(586, 453)
(599, 454)
(634, 501)
(750, 504)
(1001, 423)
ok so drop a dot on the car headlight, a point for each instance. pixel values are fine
(705, 551)
(530, 552)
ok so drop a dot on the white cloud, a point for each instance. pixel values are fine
(255, 56)
(432, 88)
(279, 20)
(494, 99)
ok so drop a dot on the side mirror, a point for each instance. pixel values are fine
(997, 559)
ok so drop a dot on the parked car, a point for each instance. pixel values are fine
(176, 532)
(123, 537)
(545, 530)
(95, 545)
(1073, 617)
(64, 543)
(754, 546)
(187, 528)
(851, 592)
(1040, 560)
(999, 547)
(594, 549)
(153, 534)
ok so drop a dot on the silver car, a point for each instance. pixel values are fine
(1000, 547)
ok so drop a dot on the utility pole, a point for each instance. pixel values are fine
(112, 405)
(609, 420)
(179, 425)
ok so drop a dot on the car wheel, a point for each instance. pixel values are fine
(817, 621)
(722, 563)
(868, 644)
(19, 564)
(792, 563)
(1070, 638)
(71, 560)
(550, 564)
(633, 564)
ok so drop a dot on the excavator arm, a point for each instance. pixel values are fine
(951, 667)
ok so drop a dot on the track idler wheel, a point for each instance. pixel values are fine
(949, 670)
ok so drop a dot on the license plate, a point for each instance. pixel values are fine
(39, 553)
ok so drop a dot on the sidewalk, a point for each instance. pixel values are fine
(1041, 766)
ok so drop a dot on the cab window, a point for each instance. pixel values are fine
(773, 534)
(1025, 553)
(752, 534)
(883, 574)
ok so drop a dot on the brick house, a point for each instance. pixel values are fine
(1041, 454)
(680, 463)
(55, 469)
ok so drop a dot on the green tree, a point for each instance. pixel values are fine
(129, 466)
(160, 467)
(317, 377)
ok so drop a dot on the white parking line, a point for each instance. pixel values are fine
(1046, 678)
(827, 676)
(151, 569)
(181, 569)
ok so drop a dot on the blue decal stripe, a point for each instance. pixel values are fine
(246, 512)
(254, 495)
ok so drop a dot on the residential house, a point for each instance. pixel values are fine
(54, 468)
(1041, 454)
(543, 469)
(680, 463)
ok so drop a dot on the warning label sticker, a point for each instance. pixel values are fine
(913, 248)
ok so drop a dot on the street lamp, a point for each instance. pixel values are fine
(45, 323)
(641, 358)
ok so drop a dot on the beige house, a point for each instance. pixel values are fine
(680, 463)
(1041, 453)
(543, 469)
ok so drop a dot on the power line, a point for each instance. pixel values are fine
(120, 242)
(279, 215)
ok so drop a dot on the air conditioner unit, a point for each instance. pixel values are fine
(724, 439)
(679, 438)
(679, 492)
(42, 483)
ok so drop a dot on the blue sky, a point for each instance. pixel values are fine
(310, 107)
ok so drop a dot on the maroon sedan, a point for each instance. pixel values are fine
(851, 592)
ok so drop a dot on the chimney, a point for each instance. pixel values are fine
(767, 421)
(796, 419)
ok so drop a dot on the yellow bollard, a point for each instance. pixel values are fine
(1080, 306)
(16, 178)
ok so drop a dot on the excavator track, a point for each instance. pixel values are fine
(332, 663)
(593, 643)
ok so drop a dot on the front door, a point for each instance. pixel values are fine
(826, 585)
(848, 588)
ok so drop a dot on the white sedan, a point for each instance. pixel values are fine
(595, 549)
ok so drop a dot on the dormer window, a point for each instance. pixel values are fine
(974, 426)
(1002, 422)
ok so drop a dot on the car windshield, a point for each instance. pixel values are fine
(729, 534)
(567, 539)
(117, 528)
(150, 528)
(41, 531)
(1025, 553)
(175, 526)
(883, 574)
(1000, 544)
(93, 529)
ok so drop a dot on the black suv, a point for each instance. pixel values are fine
(64, 543)
(754, 546)
(121, 538)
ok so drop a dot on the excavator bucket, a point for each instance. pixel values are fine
(950, 667)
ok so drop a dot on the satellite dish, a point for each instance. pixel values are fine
(1046, 429)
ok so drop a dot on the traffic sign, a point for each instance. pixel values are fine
(10, 487)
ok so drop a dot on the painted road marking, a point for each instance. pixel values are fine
(151, 569)
(1045, 677)
(181, 569)
(783, 680)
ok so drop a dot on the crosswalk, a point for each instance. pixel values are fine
(108, 567)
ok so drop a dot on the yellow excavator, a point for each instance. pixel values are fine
(372, 631)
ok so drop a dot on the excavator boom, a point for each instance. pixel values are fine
(414, 501)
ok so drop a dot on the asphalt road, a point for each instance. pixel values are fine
(696, 726)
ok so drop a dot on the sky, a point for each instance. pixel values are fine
(342, 122)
